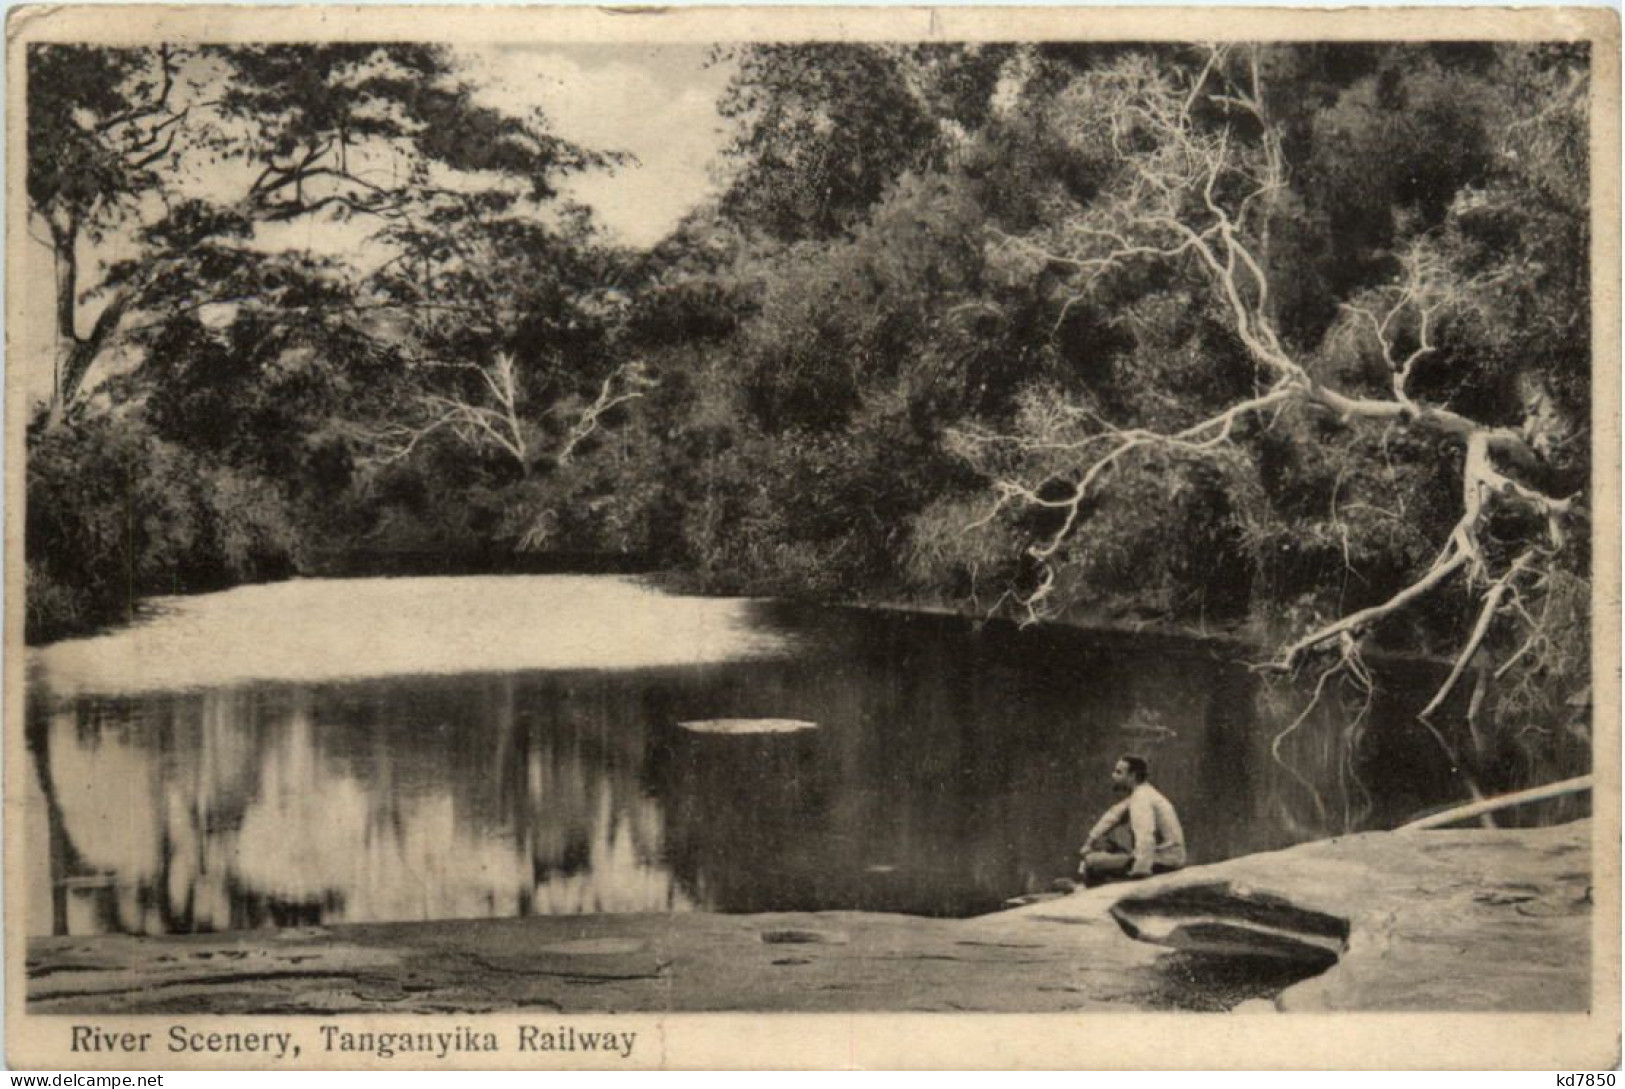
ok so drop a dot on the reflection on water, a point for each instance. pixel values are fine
(953, 766)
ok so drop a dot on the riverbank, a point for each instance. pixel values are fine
(1468, 920)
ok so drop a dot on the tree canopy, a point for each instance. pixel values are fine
(186, 153)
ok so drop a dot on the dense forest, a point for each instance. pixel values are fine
(1291, 338)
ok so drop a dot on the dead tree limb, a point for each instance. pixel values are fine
(1198, 166)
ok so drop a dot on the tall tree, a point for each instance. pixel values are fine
(186, 154)
(102, 126)
(513, 330)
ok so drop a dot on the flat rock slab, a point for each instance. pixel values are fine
(1437, 920)
(1471, 919)
(801, 961)
(119, 974)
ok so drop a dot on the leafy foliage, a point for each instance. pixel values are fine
(116, 514)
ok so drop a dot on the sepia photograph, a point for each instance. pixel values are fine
(557, 539)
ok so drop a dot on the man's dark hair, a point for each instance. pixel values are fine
(1138, 766)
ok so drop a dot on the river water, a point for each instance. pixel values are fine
(327, 751)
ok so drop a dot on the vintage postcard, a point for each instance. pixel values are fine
(772, 537)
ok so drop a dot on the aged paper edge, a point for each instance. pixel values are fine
(893, 1040)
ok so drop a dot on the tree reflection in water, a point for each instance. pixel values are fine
(232, 809)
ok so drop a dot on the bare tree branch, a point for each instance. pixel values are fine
(626, 382)
(1196, 192)
(494, 422)
(496, 418)
(1486, 616)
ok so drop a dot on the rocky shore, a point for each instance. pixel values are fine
(1439, 920)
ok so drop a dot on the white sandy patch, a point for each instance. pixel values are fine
(330, 629)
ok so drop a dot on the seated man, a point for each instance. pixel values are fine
(1157, 843)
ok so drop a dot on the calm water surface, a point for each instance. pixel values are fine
(405, 749)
